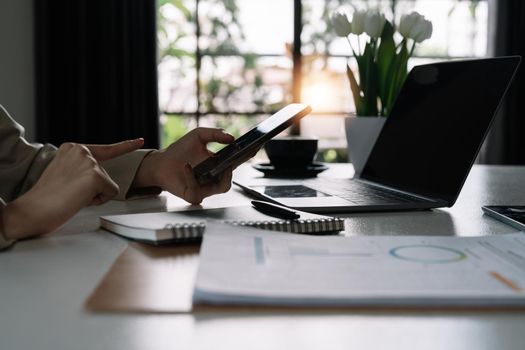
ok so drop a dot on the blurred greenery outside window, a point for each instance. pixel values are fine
(230, 63)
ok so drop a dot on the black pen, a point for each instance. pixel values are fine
(275, 210)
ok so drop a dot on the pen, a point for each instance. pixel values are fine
(275, 210)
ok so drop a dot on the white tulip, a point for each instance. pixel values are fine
(341, 24)
(421, 31)
(415, 26)
(406, 23)
(374, 24)
(358, 22)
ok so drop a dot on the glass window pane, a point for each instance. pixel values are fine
(177, 85)
(173, 127)
(460, 27)
(318, 36)
(268, 25)
(176, 44)
(244, 84)
(329, 129)
(262, 27)
(325, 85)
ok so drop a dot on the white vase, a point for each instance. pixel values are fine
(361, 135)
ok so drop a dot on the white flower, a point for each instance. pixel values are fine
(358, 22)
(415, 26)
(341, 24)
(374, 23)
(421, 31)
(406, 23)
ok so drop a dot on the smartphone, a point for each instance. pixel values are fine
(513, 215)
(246, 145)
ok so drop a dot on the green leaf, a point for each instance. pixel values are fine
(176, 52)
(258, 82)
(368, 79)
(356, 92)
(398, 77)
(362, 64)
(161, 3)
(250, 60)
(179, 4)
(371, 93)
(385, 61)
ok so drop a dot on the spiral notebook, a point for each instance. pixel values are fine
(186, 226)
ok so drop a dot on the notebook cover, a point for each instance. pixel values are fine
(182, 221)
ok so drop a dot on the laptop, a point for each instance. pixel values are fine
(425, 150)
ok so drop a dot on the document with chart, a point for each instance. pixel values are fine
(249, 266)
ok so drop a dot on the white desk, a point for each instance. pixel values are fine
(45, 282)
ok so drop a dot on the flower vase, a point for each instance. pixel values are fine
(361, 135)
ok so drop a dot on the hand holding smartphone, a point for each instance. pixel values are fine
(246, 145)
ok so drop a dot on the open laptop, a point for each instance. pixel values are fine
(424, 151)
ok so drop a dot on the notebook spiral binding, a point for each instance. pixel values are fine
(296, 226)
(196, 230)
(186, 231)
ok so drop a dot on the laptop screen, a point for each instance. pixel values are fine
(437, 125)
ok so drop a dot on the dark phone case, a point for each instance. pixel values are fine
(234, 154)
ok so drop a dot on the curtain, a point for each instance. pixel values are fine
(506, 142)
(96, 71)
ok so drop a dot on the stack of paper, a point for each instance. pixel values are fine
(250, 266)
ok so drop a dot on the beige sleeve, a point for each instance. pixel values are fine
(4, 242)
(123, 170)
(21, 162)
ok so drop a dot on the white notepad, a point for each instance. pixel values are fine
(181, 226)
(264, 268)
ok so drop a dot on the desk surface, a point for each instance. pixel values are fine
(45, 282)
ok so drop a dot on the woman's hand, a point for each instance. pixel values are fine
(74, 179)
(171, 168)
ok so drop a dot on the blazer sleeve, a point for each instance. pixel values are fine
(123, 170)
(21, 162)
(4, 242)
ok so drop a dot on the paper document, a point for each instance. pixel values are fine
(250, 266)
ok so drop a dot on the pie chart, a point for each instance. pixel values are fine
(427, 254)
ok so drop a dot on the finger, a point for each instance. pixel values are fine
(105, 152)
(106, 187)
(96, 201)
(65, 147)
(223, 185)
(226, 181)
(192, 189)
(213, 135)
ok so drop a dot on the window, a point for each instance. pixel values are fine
(231, 63)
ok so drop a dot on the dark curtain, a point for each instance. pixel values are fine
(96, 71)
(506, 141)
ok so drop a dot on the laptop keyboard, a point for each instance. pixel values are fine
(361, 193)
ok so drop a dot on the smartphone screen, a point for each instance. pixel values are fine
(241, 149)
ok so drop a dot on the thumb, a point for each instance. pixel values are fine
(106, 152)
